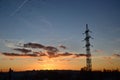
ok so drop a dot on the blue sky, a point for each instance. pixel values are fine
(55, 22)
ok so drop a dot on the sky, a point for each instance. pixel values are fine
(55, 28)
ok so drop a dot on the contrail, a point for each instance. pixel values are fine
(23, 3)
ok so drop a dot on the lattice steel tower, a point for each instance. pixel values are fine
(88, 53)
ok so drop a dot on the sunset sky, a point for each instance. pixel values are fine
(59, 24)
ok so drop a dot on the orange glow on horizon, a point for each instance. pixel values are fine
(59, 63)
(48, 67)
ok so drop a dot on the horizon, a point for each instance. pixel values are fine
(103, 70)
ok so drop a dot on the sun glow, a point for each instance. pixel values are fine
(49, 66)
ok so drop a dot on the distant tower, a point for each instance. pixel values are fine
(88, 53)
(10, 74)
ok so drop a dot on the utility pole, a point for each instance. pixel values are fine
(88, 53)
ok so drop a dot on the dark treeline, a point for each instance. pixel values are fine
(60, 75)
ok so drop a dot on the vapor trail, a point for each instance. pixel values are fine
(23, 3)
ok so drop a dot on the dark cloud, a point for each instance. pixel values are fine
(11, 54)
(79, 55)
(22, 50)
(51, 49)
(51, 54)
(39, 53)
(116, 55)
(65, 54)
(33, 45)
(19, 45)
(16, 54)
(63, 47)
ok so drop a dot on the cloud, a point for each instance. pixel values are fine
(47, 54)
(50, 54)
(16, 54)
(72, 54)
(65, 54)
(22, 50)
(34, 45)
(11, 54)
(54, 55)
(116, 55)
(79, 55)
(51, 49)
(39, 53)
(40, 46)
(98, 51)
(13, 43)
(62, 46)
(9, 44)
